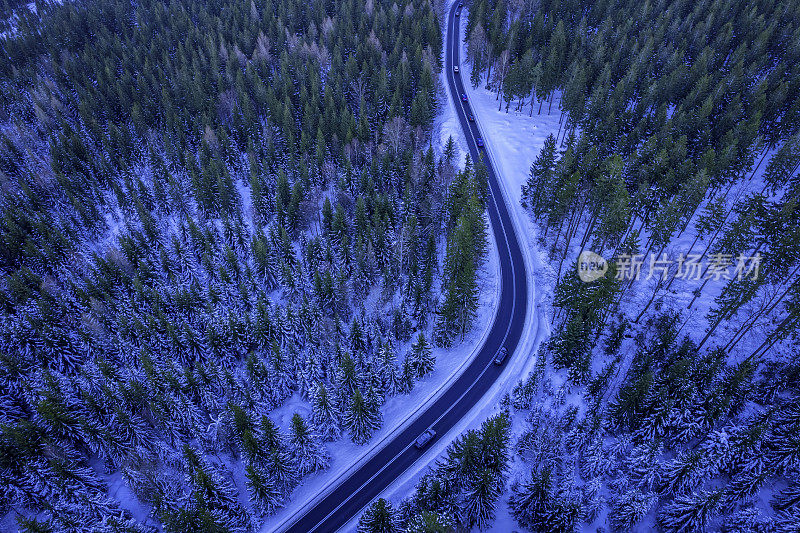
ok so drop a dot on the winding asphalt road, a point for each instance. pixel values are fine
(366, 483)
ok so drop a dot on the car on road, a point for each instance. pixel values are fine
(464, 97)
(479, 142)
(455, 68)
(458, 11)
(424, 439)
(470, 116)
(500, 358)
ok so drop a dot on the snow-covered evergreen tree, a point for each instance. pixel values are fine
(264, 494)
(628, 509)
(480, 500)
(308, 453)
(430, 522)
(387, 370)
(421, 357)
(379, 517)
(362, 418)
(690, 512)
(325, 415)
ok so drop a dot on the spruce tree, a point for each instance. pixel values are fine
(420, 358)
(362, 418)
(308, 453)
(379, 517)
(325, 416)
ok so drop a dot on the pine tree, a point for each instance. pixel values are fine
(684, 473)
(420, 358)
(308, 453)
(466, 249)
(629, 508)
(431, 522)
(788, 498)
(689, 512)
(264, 495)
(379, 517)
(407, 375)
(388, 373)
(537, 506)
(212, 496)
(540, 177)
(362, 418)
(325, 415)
(479, 505)
(644, 465)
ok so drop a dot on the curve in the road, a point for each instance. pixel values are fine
(366, 483)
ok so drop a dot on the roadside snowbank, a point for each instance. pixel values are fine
(398, 411)
(515, 141)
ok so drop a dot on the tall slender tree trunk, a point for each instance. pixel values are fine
(625, 234)
(588, 231)
(573, 224)
(724, 314)
(558, 235)
(766, 309)
(772, 338)
(697, 237)
(702, 255)
(579, 213)
(764, 154)
(669, 284)
(688, 219)
(702, 286)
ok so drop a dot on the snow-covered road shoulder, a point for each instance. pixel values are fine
(513, 145)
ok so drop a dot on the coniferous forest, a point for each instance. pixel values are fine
(667, 403)
(214, 211)
(209, 207)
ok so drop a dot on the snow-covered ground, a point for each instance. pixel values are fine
(514, 142)
(514, 139)
(398, 411)
(11, 28)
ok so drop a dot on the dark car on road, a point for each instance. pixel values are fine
(424, 439)
(500, 358)
(470, 116)
(479, 141)
(463, 97)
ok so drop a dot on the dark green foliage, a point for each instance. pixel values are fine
(540, 506)
(379, 517)
(466, 483)
(198, 199)
(676, 119)
(467, 247)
